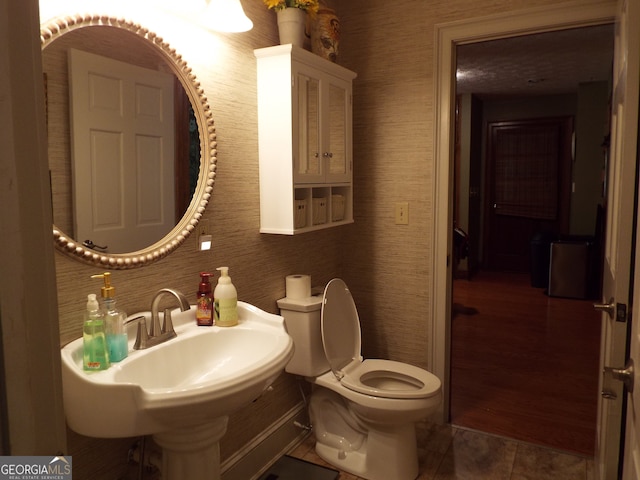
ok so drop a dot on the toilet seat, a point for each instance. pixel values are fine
(389, 379)
(342, 345)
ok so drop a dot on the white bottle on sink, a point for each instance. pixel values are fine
(225, 299)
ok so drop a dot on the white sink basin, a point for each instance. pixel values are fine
(203, 374)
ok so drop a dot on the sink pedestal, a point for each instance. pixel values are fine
(192, 453)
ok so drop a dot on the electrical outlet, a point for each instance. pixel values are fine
(402, 213)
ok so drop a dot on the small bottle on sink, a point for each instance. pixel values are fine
(204, 304)
(114, 319)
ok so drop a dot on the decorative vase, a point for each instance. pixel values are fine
(325, 34)
(291, 23)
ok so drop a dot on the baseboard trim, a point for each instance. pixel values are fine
(257, 456)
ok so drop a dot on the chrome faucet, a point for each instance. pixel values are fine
(157, 335)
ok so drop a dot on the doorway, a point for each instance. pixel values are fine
(448, 36)
(528, 176)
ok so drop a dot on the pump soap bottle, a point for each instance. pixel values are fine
(204, 304)
(225, 298)
(94, 342)
(114, 320)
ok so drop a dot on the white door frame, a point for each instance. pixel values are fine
(447, 37)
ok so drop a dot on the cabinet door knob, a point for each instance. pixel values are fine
(327, 155)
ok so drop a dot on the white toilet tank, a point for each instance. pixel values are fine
(302, 319)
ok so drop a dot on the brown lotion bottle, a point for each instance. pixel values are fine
(204, 304)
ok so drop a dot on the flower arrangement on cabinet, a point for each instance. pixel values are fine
(307, 5)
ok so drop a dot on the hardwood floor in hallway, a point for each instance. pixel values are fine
(524, 365)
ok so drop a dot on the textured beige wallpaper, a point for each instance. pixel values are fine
(387, 266)
(258, 263)
(390, 45)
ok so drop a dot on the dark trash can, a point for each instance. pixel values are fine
(540, 255)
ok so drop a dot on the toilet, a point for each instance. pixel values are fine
(363, 412)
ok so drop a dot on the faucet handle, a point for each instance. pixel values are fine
(142, 336)
(167, 324)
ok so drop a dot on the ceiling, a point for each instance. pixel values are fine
(541, 64)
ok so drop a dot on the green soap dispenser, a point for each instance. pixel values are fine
(94, 341)
(114, 320)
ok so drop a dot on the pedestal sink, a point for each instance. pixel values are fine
(181, 391)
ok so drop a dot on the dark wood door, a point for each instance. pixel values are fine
(528, 185)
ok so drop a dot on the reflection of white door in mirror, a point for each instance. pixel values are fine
(122, 126)
(194, 137)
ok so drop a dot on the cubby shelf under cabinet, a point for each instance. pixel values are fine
(305, 141)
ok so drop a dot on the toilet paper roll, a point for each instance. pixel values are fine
(298, 286)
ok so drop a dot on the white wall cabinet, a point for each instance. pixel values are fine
(305, 141)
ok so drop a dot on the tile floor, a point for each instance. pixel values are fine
(450, 453)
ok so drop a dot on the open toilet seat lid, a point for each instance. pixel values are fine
(342, 343)
(340, 326)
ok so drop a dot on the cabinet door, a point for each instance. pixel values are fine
(337, 131)
(308, 166)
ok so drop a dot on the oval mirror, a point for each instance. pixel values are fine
(132, 143)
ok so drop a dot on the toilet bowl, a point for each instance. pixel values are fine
(363, 412)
